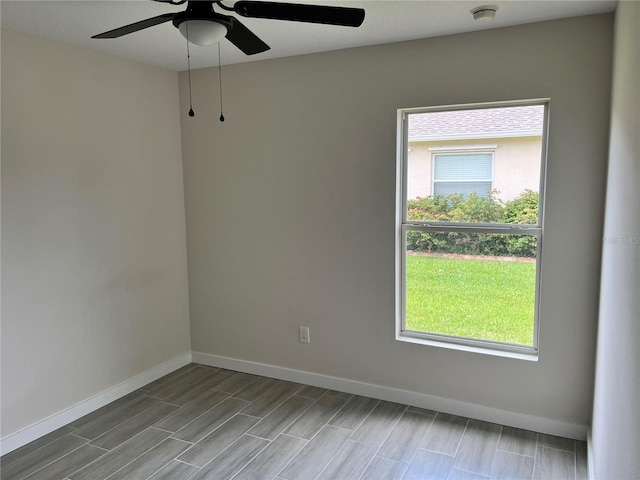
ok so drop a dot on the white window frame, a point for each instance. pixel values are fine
(449, 152)
(403, 225)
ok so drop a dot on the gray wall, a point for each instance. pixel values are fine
(616, 414)
(290, 209)
(94, 281)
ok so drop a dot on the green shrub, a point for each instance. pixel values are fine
(456, 208)
(474, 209)
(523, 208)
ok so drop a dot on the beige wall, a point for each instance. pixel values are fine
(616, 413)
(291, 207)
(516, 164)
(94, 281)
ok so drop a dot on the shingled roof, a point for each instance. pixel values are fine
(496, 122)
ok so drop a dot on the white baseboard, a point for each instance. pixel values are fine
(455, 407)
(57, 420)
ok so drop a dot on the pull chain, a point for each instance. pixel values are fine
(191, 112)
(220, 83)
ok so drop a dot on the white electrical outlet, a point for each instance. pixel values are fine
(304, 335)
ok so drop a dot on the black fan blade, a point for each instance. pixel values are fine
(245, 39)
(134, 27)
(349, 17)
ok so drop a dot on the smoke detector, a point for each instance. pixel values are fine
(484, 13)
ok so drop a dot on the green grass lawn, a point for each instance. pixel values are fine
(482, 299)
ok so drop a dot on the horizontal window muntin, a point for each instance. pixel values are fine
(472, 227)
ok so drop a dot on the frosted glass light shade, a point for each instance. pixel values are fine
(203, 32)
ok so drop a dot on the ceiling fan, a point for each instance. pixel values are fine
(202, 25)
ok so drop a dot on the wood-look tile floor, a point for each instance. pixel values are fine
(207, 423)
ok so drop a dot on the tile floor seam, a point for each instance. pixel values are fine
(375, 454)
(175, 459)
(296, 419)
(466, 427)
(194, 420)
(557, 449)
(91, 440)
(247, 415)
(535, 458)
(438, 453)
(319, 474)
(514, 453)
(388, 435)
(327, 424)
(99, 448)
(458, 451)
(255, 436)
(251, 459)
(344, 404)
(123, 466)
(418, 444)
(157, 470)
(181, 441)
(355, 428)
(495, 454)
(263, 393)
(53, 461)
(191, 464)
(274, 408)
(163, 430)
(139, 456)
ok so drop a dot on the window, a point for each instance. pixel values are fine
(462, 173)
(469, 228)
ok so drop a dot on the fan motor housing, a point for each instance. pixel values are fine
(211, 17)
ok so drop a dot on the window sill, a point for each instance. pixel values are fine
(518, 353)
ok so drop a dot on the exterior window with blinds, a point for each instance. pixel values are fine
(469, 226)
(462, 173)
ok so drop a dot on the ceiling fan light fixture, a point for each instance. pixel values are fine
(203, 32)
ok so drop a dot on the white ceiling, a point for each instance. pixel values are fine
(75, 21)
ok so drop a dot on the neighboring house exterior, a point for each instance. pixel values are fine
(475, 150)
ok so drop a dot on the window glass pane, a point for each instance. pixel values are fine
(494, 152)
(474, 285)
(482, 189)
(477, 166)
